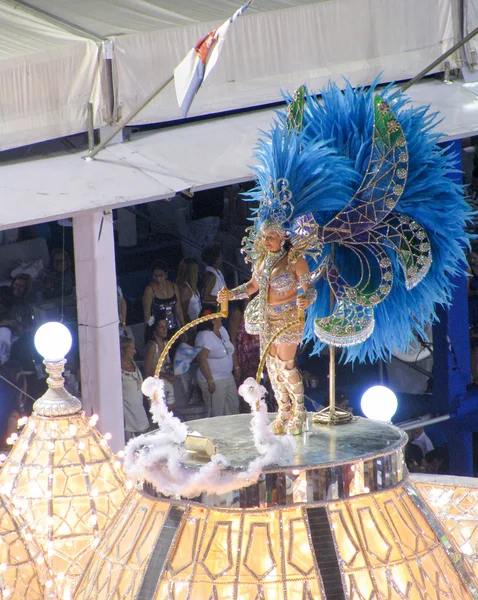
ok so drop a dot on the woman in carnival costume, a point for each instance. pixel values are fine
(362, 197)
(282, 277)
(278, 275)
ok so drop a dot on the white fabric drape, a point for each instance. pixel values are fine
(470, 22)
(157, 164)
(47, 78)
(48, 74)
(117, 17)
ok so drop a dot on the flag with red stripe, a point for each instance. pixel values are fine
(199, 62)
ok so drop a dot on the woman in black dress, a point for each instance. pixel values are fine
(161, 299)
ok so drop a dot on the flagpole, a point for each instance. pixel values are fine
(91, 155)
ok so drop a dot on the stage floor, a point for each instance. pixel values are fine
(320, 446)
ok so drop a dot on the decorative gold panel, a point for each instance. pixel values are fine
(23, 571)
(385, 549)
(116, 569)
(218, 554)
(68, 485)
(297, 547)
(217, 558)
(388, 550)
(456, 506)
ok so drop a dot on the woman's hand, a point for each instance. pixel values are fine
(302, 302)
(211, 386)
(238, 375)
(223, 294)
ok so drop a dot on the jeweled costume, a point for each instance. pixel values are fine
(278, 323)
(360, 186)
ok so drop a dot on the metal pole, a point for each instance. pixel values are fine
(440, 59)
(332, 355)
(91, 127)
(91, 155)
(424, 423)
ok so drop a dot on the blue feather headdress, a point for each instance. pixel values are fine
(371, 203)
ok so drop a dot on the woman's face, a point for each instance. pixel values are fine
(161, 329)
(58, 262)
(271, 240)
(474, 260)
(217, 324)
(19, 287)
(159, 275)
(129, 351)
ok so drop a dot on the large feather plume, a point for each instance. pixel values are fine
(325, 164)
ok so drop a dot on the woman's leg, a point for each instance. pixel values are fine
(231, 404)
(292, 377)
(206, 397)
(218, 398)
(280, 391)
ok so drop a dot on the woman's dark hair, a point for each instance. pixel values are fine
(207, 325)
(124, 343)
(160, 265)
(211, 253)
(186, 273)
(157, 320)
(5, 297)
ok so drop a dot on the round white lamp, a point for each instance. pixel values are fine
(379, 403)
(53, 341)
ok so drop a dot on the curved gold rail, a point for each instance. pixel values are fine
(282, 330)
(222, 314)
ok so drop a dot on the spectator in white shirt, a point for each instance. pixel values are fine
(217, 363)
(419, 438)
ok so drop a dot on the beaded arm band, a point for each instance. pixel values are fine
(305, 278)
(310, 294)
(239, 293)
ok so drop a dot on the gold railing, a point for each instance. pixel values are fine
(222, 314)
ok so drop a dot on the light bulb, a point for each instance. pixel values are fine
(53, 341)
(379, 403)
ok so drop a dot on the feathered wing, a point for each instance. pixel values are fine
(369, 229)
(385, 244)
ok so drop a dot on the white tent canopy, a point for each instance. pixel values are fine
(157, 165)
(59, 65)
(47, 77)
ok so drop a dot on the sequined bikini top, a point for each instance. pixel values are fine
(283, 283)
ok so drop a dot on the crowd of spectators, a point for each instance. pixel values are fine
(421, 456)
(31, 287)
(41, 288)
(221, 354)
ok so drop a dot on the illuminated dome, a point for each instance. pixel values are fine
(65, 481)
(343, 520)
